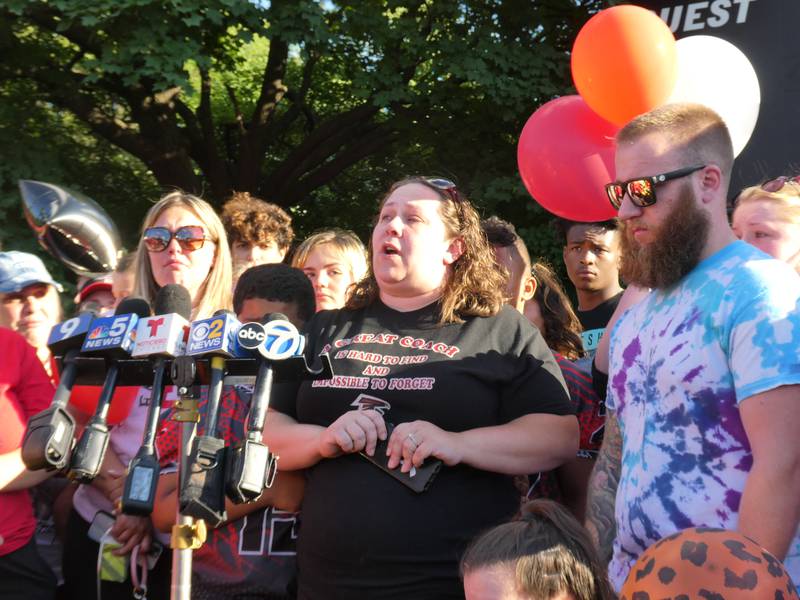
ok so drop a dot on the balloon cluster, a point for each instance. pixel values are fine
(625, 62)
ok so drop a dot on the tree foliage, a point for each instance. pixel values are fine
(316, 106)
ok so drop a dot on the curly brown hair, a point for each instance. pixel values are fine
(253, 221)
(562, 329)
(474, 286)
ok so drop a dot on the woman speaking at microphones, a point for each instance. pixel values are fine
(183, 242)
(440, 395)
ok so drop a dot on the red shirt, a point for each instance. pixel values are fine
(25, 389)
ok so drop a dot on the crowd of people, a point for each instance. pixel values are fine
(476, 420)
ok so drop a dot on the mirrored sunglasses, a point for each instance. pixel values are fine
(189, 238)
(642, 191)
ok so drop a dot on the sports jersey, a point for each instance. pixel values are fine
(591, 413)
(363, 534)
(681, 362)
(250, 557)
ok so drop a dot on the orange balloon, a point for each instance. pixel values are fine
(707, 563)
(624, 62)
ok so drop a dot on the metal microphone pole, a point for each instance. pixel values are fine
(187, 534)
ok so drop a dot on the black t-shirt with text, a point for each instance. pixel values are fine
(363, 534)
(594, 322)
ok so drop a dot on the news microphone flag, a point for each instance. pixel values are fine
(158, 337)
(113, 338)
(215, 335)
(48, 436)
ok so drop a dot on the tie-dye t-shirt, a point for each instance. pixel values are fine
(681, 362)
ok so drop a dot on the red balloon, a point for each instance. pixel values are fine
(565, 156)
(85, 397)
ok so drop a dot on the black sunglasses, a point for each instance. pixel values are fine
(189, 238)
(642, 190)
(445, 186)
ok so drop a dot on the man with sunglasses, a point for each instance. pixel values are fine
(704, 371)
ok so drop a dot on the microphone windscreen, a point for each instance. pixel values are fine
(173, 298)
(133, 305)
(223, 311)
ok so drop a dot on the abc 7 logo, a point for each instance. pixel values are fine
(277, 340)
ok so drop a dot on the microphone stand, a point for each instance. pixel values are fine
(187, 534)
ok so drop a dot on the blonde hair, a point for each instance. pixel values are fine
(216, 290)
(474, 286)
(698, 133)
(346, 245)
(786, 201)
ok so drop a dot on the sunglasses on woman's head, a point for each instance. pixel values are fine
(642, 190)
(447, 187)
(189, 238)
(776, 185)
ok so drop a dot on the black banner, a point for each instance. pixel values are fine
(767, 32)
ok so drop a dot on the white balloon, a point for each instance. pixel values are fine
(714, 72)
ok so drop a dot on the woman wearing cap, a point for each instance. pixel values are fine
(29, 301)
(424, 343)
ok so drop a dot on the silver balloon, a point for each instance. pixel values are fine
(72, 227)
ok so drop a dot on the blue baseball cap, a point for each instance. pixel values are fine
(20, 269)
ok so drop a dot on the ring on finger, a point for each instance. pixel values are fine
(414, 441)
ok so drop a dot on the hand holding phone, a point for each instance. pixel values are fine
(418, 479)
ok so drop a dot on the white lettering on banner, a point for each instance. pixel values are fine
(412, 383)
(342, 381)
(373, 371)
(696, 16)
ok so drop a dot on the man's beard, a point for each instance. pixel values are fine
(675, 250)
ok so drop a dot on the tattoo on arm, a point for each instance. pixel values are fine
(600, 519)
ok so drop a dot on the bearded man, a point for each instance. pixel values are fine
(703, 396)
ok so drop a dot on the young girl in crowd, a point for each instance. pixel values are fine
(334, 260)
(768, 217)
(545, 554)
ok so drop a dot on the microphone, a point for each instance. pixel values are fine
(160, 337)
(203, 494)
(112, 338)
(48, 437)
(251, 467)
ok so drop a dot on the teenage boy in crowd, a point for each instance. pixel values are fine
(258, 232)
(253, 553)
(591, 256)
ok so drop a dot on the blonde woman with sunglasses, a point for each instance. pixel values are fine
(183, 241)
(768, 217)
